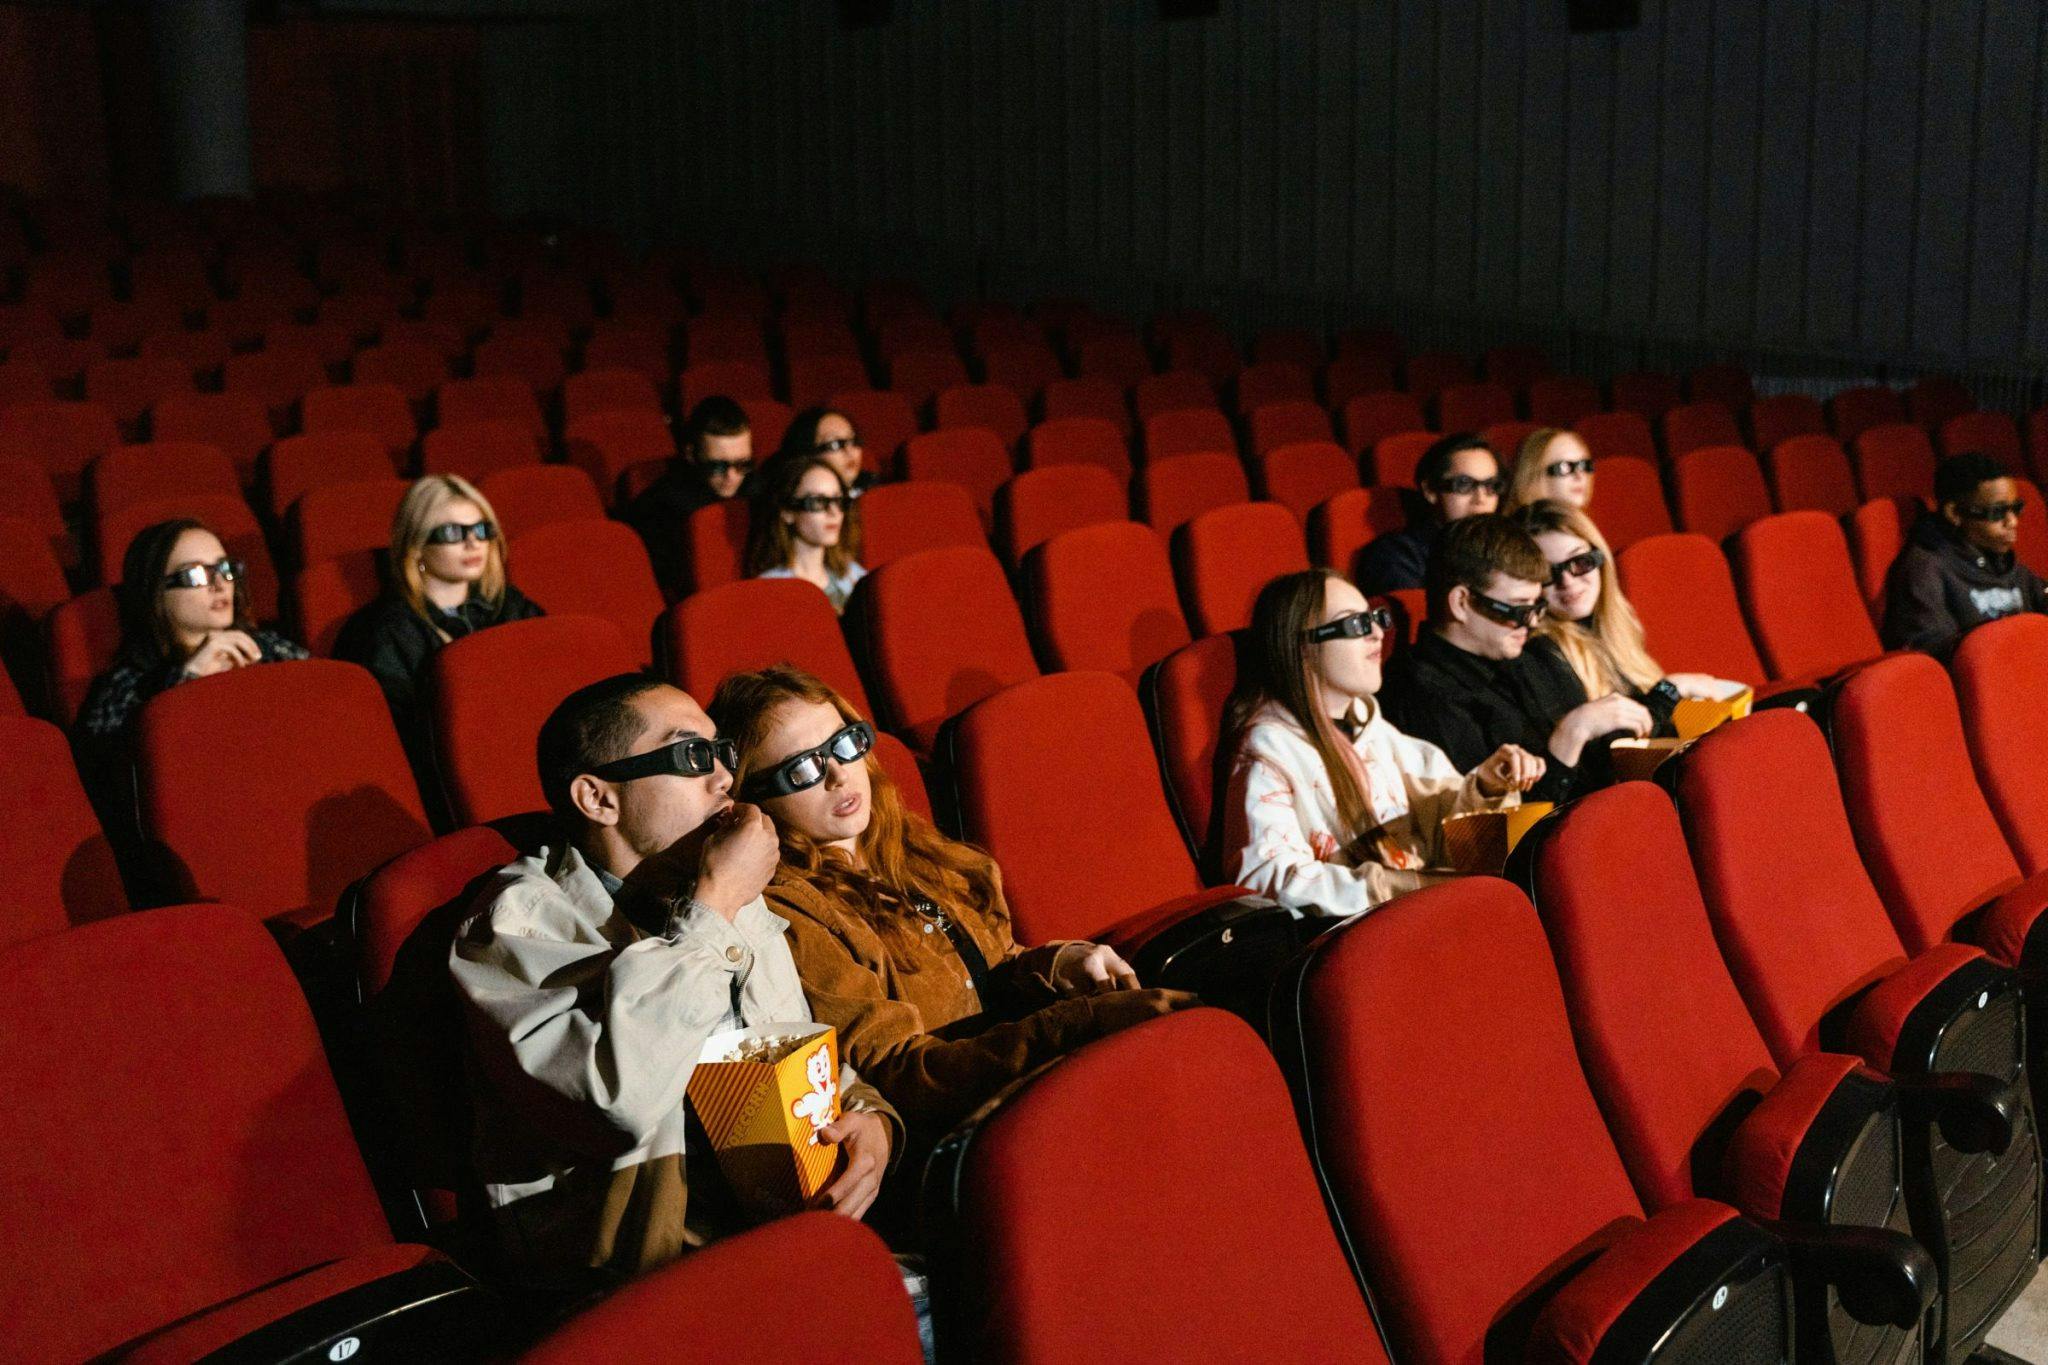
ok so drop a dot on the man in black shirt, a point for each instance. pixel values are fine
(1958, 569)
(1458, 477)
(714, 461)
(1475, 680)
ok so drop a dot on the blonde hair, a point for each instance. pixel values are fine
(1525, 482)
(419, 512)
(1612, 655)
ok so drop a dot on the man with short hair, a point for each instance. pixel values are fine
(1458, 477)
(592, 972)
(714, 461)
(1959, 568)
(1475, 679)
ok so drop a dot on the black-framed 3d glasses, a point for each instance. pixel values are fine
(692, 757)
(455, 532)
(1464, 485)
(204, 575)
(819, 502)
(1564, 468)
(1576, 566)
(1993, 511)
(1355, 626)
(801, 771)
(717, 468)
(836, 444)
(1523, 615)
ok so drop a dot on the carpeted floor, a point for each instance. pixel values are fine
(2024, 1328)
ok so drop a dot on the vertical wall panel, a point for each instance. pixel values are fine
(1941, 232)
(1684, 107)
(1638, 131)
(2002, 188)
(1728, 299)
(1834, 205)
(1546, 103)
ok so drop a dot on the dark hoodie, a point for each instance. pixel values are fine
(1942, 586)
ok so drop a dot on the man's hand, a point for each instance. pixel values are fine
(220, 651)
(1510, 768)
(1588, 721)
(1091, 969)
(865, 1139)
(740, 855)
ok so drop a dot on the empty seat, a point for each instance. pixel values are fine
(1628, 501)
(60, 867)
(1304, 475)
(972, 457)
(1185, 430)
(736, 379)
(1184, 696)
(1894, 460)
(324, 594)
(139, 473)
(1988, 433)
(200, 353)
(936, 632)
(1647, 393)
(130, 387)
(379, 409)
(1999, 669)
(489, 398)
(63, 437)
(884, 421)
(1351, 376)
(1150, 1273)
(1293, 345)
(1470, 407)
(1372, 417)
(1877, 533)
(1811, 472)
(275, 824)
(343, 518)
(534, 362)
(1562, 400)
(1173, 391)
(529, 496)
(1086, 396)
(814, 379)
(31, 585)
(921, 375)
(1728, 385)
(478, 447)
(225, 514)
(1692, 622)
(83, 635)
(236, 423)
(1345, 523)
(1178, 488)
(2032, 547)
(1720, 490)
(591, 568)
(715, 544)
(1024, 368)
(413, 367)
(1224, 556)
(202, 1106)
(1428, 373)
(1851, 412)
(982, 405)
(1697, 425)
(278, 376)
(298, 464)
(1450, 992)
(741, 626)
(1612, 435)
(1273, 425)
(1207, 351)
(1117, 357)
(1102, 597)
(607, 444)
(1396, 458)
(627, 345)
(1782, 416)
(608, 390)
(899, 519)
(492, 690)
(1513, 367)
(445, 339)
(1274, 381)
(1934, 398)
(1799, 590)
(1040, 503)
(1078, 440)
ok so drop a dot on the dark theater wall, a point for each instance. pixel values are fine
(1807, 185)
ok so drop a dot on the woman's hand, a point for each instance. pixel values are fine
(1702, 686)
(1091, 969)
(865, 1139)
(220, 651)
(1510, 768)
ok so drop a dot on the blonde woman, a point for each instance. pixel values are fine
(1590, 621)
(1552, 465)
(446, 579)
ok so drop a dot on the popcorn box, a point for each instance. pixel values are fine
(1636, 759)
(1693, 718)
(762, 1094)
(1480, 840)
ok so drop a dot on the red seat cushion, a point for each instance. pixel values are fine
(1573, 1325)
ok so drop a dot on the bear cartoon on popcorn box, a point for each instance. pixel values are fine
(762, 1094)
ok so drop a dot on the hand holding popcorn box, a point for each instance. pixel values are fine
(1480, 840)
(763, 1094)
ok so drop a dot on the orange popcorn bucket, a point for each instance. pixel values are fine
(762, 1094)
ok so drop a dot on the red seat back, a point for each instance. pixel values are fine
(1078, 440)
(1372, 417)
(1306, 474)
(1341, 526)
(1184, 430)
(236, 423)
(752, 623)
(884, 420)
(1040, 503)
(1087, 396)
(379, 409)
(1681, 588)
(1931, 844)
(63, 437)
(1609, 435)
(1877, 532)
(591, 568)
(59, 866)
(1894, 460)
(715, 543)
(1647, 393)
(299, 464)
(1224, 556)
(1427, 373)
(1272, 425)
(140, 473)
(1782, 416)
(84, 634)
(607, 444)
(1184, 697)
(477, 447)
(1102, 597)
(1628, 501)
(1795, 580)
(1697, 425)
(1851, 412)
(1720, 491)
(982, 405)
(899, 519)
(412, 367)
(1057, 780)
(325, 594)
(1728, 385)
(972, 457)
(1181, 487)
(1988, 433)
(1934, 398)
(2000, 669)
(1812, 472)
(736, 379)
(1473, 407)
(343, 518)
(1274, 381)
(1395, 458)
(1562, 400)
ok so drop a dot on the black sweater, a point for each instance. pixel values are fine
(396, 644)
(1941, 587)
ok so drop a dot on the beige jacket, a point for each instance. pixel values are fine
(583, 1029)
(1282, 836)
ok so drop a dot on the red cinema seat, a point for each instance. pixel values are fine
(2000, 668)
(1117, 357)
(1988, 433)
(1822, 967)
(1728, 385)
(1431, 1051)
(324, 594)
(1851, 412)
(1811, 472)
(729, 1301)
(935, 633)
(242, 809)
(1505, 440)
(1273, 425)
(1562, 400)
(1720, 491)
(1294, 345)
(1274, 381)
(608, 390)
(477, 447)
(1087, 396)
(413, 368)
(736, 379)
(982, 405)
(1934, 398)
(1428, 373)
(83, 636)
(24, 381)
(1894, 460)
(1473, 407)
(807, 336)
(225, 514)
(1796, 584)
(1186, 430)
(491, 692)
(1682, 590)
(1208, 352)
(31, 586)
(1223, 557)
(715, 544)
(1179, 488)
(1618, 434)
(1303, 476)
(1184, 696)
(1102, 597)
(1078, 440)
(140, 473)
(1396, 458)
(201, 353)
(1147, 1274)
(529, 496)
(235, 423)
(591, 568)
(1372, 417)
(1647, 393)
(63, 437)
(899, 519)
(1628, 501)
(606, 444)
(814, 379)
(1514, 367)
(972, 457)
(60, 869)
(490, 398)
(298, 464)
(1782, 416)
(203, 1106)
(921, 375)
(1877, 532)
(1696, 426)
(1023, 368)
(344, 519)
(278, 377)
(1353, 376)
(1342, 525)
(1695, 1103)
(444, 339)
(379, 409)
(720, 337)
(362, 315)
(753, 623)
(628, 346)
(534, 362)
(884, 420)
(130, 387)
(1172, 391)
(1040, 503)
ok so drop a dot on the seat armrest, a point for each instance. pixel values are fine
(1884, 1278)
(1977, 1113)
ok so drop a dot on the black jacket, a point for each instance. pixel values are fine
(661, 509)
(1396, 559)
(1468, 707)
(396, 644)
(1941, 587)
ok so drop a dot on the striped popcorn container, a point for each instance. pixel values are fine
(762, 1094)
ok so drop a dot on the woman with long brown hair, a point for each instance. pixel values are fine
(806, 525)
(1331, 810)
(901, 935)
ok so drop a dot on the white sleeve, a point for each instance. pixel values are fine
(1437, 791)
(1266, 851)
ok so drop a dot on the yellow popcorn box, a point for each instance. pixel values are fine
(1636, 759)
(1693, 717)
(1480, 840)
(762, 1094)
